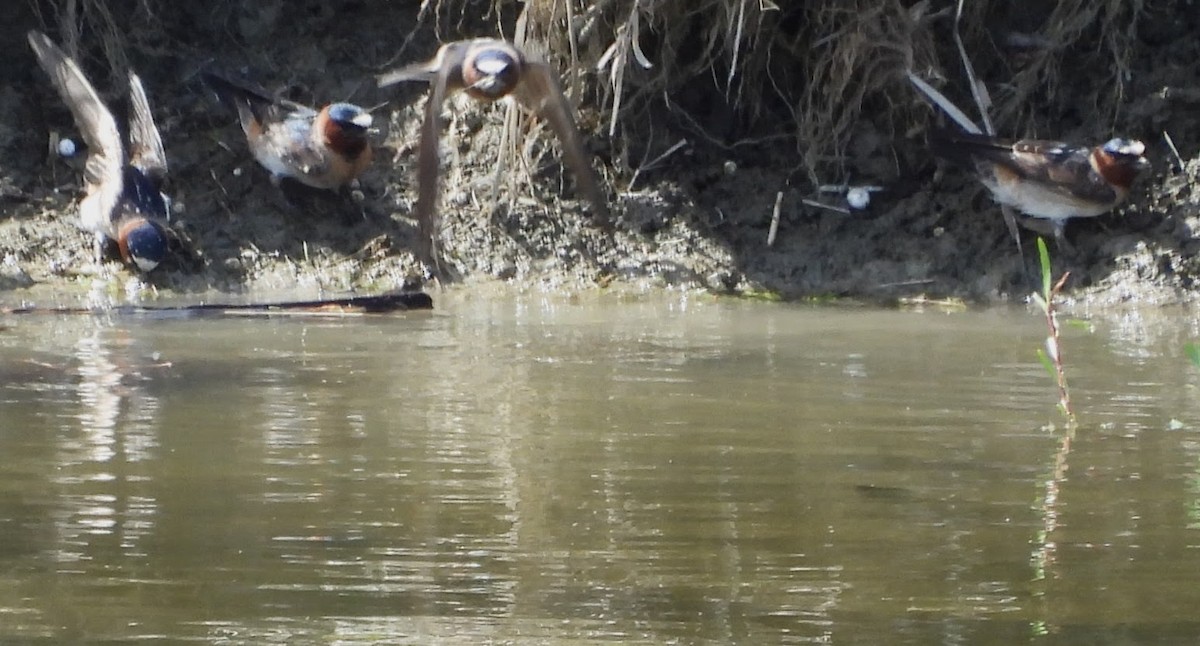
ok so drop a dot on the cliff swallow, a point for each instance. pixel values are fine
(325, 149)
(1050, 180)
(123, 199)
(488, 70)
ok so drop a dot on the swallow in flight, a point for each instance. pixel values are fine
(488, 70)
(123, 200)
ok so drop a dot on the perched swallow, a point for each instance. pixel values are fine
(123, 201)
(488, 70)
(324, 148)
(1048, 179)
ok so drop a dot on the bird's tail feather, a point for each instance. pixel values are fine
(239, 94)
(962, 146)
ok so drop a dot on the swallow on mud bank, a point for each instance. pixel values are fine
(1049, 180)
(488, 70)
(123, 200)
(324, 149)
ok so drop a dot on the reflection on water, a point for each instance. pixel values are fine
(533, 470)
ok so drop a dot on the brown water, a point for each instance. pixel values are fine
(537, 470)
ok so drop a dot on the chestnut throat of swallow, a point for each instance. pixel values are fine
(347, 140)
(1115, 169)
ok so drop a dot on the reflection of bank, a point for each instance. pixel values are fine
(104, 449)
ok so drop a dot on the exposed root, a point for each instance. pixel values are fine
(725, 72)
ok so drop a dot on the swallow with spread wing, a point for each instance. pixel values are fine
(1049, 180)
(324, 149)
(488, 70)
(123, 200)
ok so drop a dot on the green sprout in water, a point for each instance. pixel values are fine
(1192, 350)
(1052, 357)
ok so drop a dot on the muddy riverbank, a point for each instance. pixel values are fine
(699, 218)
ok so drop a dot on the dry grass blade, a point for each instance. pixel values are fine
(978, 91)
(947, 106)
(725, 72)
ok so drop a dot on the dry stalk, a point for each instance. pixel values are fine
(775, 213)
(77, 24)
(1054, 347)
(978, 89)
(1065, 27)
(733, 70)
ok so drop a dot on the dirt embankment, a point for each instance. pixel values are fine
(723, 110)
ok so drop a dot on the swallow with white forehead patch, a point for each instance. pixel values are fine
(324, 149)
(488, 70)
(123, 200)
(1049, 180)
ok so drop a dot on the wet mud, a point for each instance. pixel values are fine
(699, 218)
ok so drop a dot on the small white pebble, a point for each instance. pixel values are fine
(858, 197)
(730, 167)
(66, 147)
(134, 286)
(237, 171)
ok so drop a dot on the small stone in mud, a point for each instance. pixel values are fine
(66, 147)
(721, 281)
(506, 270)
(12, 275)
(858, 198)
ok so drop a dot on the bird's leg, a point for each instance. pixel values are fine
(295, 196)
(1060, 239)
(99, 242)
(354, 195)
(281, 198)
(1010, 220)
